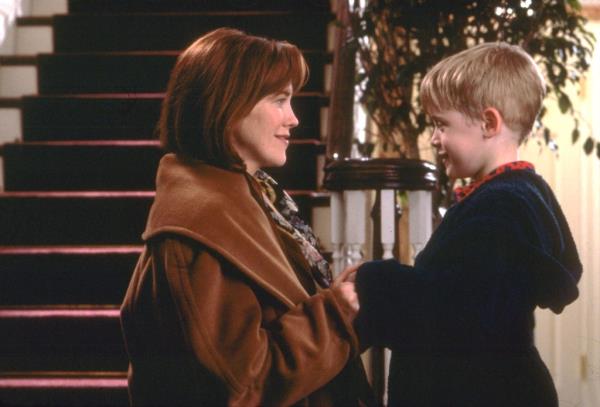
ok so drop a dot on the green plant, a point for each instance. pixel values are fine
(399, 40)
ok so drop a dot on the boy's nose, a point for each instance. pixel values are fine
(435, 139)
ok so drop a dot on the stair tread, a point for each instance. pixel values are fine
(122, 194)
(60, 311)
(147, 95)
(125, 143)
(61, 380)
(69, 250)
(183, 14)
(78, 6)
(17, 60)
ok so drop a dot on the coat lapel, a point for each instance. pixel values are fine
(216, 208)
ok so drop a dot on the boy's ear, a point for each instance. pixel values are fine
(492, 122)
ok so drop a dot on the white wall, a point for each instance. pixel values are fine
(570, 343)
(16, 81)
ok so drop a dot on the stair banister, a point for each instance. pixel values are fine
(350, 180)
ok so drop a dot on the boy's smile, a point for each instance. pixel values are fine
(460, 144)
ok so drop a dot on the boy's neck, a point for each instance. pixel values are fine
(503, 149)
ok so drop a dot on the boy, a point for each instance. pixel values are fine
(460, 321)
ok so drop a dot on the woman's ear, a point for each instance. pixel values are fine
(492, 122)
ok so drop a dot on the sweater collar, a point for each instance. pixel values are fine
(461, 193)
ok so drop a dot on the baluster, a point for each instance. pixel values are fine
(355, 225)
(419, 220)
(388, 220)
(337, 231)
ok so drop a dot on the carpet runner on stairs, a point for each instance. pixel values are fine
(80, 182)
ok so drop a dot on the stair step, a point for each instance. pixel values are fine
(65, 389)
(122, 165)
(144, 6)
(91, 218)
(73, 218)
(126, 116)
(135, 72)
(61, 338)
(65, 274)
(175, 31)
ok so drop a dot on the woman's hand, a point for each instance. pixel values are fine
(347, 275)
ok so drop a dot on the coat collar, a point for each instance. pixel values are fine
(216, 208)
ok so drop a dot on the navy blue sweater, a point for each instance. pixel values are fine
(460, 322)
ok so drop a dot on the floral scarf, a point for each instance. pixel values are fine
(284, 213)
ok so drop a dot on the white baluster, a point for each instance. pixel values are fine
(388, 222)
(419, 220)
(337, 231)
(355, 225)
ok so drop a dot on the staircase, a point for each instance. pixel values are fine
(79, 184)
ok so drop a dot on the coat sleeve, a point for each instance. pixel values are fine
(275, 363)
(471, 289)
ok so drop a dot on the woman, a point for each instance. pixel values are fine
(230, 301)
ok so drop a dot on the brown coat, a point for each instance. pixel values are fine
(216, 315)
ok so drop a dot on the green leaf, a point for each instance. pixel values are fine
(574, 4)
(564, 103)
(546, 135)
(575, 135)
(588, 147)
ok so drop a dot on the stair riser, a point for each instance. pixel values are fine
(62, 344)
(96, 118)
(72, 221)
(38, 279)
(58, 397)
(121, 73)
(115, 167)
(126, 32)
(99, 220)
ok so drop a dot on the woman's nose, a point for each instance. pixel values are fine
(292, 120)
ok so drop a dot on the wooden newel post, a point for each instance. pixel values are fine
(350, 180)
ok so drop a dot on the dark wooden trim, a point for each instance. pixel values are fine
(17, 60)
(31, 21)
(10, 103)
(380, 173)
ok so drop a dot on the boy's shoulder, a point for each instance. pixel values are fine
(512, 187)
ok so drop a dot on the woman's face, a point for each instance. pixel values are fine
(262, 137)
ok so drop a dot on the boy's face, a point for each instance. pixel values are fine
(460, 144)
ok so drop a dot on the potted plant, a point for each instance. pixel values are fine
(399, 40)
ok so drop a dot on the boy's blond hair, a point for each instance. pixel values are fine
(495, 75)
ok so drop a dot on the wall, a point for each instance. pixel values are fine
(570, 342)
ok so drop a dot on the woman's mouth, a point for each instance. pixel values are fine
(284, 138)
